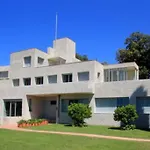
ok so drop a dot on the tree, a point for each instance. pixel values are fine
(82, 57)
(78, 113)
(104, 63)
(137, 50)
(127, 115)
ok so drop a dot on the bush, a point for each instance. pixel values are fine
(21, 122)
(127, 115)
(78, 113)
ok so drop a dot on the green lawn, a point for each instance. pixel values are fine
(103, 130)
(15, 140)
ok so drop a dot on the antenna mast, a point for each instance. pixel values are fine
(56, 23)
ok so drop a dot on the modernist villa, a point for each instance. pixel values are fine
(42, 85)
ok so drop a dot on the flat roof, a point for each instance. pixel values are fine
(122, 65)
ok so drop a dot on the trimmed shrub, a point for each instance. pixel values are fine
(78, 113)
(127, 115)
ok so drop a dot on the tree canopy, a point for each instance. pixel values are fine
(137, 50)
(82, 57)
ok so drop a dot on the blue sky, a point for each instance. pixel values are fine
(99, 27)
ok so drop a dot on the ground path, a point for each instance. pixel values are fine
(75, 134)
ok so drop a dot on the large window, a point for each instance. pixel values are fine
(52, 79)
(108, 105)
(67, 77)
(27, 61)
(143, 105)
(115, 75)
(39, 80)
(3, 74)
(66, 102)
(83, 76)
(27, 81)
(13, 108)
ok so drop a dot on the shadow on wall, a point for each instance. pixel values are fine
(143, 121)
(139, 92)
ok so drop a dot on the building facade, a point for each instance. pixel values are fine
(42, 85)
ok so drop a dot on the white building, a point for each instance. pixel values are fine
(42, 85)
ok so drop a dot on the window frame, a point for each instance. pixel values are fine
(70, 101)
(29, 79)
(40, 62)
(125, 101)
(39, 80)
(69, 78)
(18, 82)
(3, 72)
(52, 77)
(81, 73)
(11, 112)
(27, 64)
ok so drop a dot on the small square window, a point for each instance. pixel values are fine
(40, 60)
(39, 80)
(53, 102)
(83, 76)
(52, 79)
(16, 82)
(67, 77)
(27, 61)
(27, 81)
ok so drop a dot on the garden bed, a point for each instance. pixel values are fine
(32, 122)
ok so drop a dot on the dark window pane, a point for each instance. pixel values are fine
(73, 101)
(18, 108)
(7, 108)
(53, 102)
(30, 105)
(12, 108)
(67, 77)
(39, 80)
(27, 81)
(64, 105)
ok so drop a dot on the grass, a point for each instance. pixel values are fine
(103, 130)
(15, 140)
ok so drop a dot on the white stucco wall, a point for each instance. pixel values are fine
(94, 88)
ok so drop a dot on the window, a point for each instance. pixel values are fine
(67, 77)
(143, 105)
(98, 75)
(40, 60)
(39, 80)
(53, 102)
(52, 79)
(122, 101)
(108, 105)
(15, 82)
(27, 61)
(27, 81)
(73, 101)
(30, 105)
(118, 74)
(105, 105)
(65, 103)
(13, 108)
(3, 74)
(83, 76)
(115, 75)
